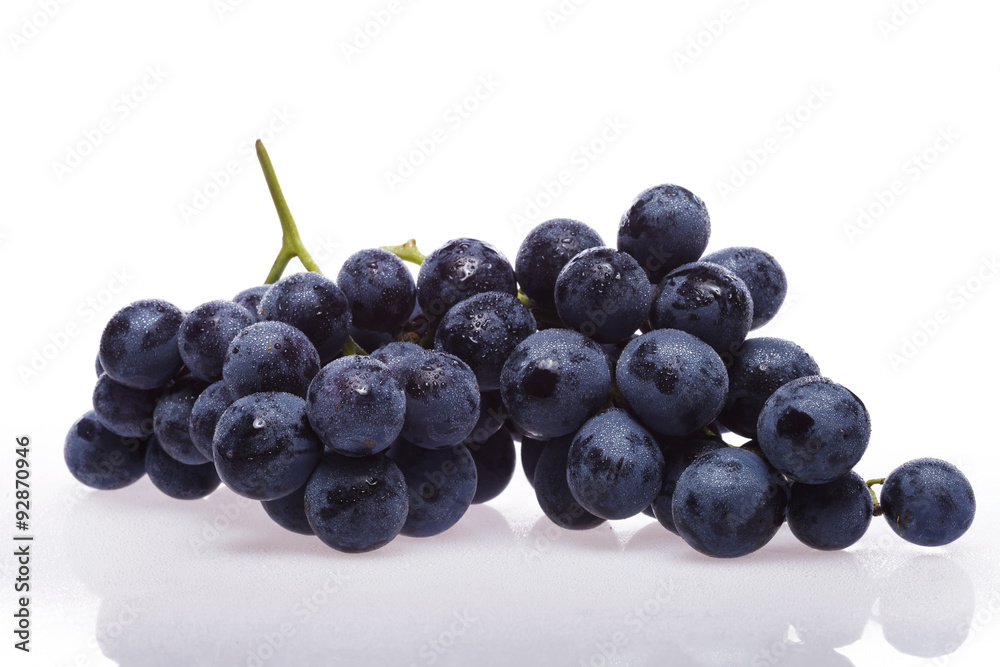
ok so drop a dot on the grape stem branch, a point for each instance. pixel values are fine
(291, 242)
(877, 511)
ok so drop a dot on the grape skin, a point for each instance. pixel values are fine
(495, 459)
(289, 511)
(123, 410)
(172, 417)
(314, 305)
(763, 276)
(100, 459)
(379, 289)
(205, 413)
(207, 332)
(552, 489)
(440, 486)
(250, 299)
(139, 344)
(442, 399)
(678, 454)
(833, 515)
(270, 356)
(459, 269)
(531, 451)
(393, 352)
(179, 480)
(928, 502)
(263, 446)
(545, 251)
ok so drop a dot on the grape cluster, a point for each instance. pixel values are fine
(617, 368)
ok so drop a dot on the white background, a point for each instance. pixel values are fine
(109, 199)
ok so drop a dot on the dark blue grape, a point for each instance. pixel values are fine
(270, 356)
(531, 451)
(139, 344)
(758, 368)
(813, 429)
(615, 468)
(442, 399)
(440, 486)
(604, 294)
(263, 446)
(172, 418)
(459, 269)
(665, 226)
(206, 334)
(830, 516)
(707, 301)
(928, 502)
(250, 299)
(314, 305)
(763, 276)
(545, 251)
(729, 503)
(179, 480)
(355, 406)
(673, 382)
(495, 459)
(554, 381)
(205, 413)
(379, 289)
(101, 459)
(124, 410)
(482, 331)
(97, 365)
(552, 490)
(370, 341)
(356, 504)
(678, 454)
(492, 416)
(289, 511)
(393, 352)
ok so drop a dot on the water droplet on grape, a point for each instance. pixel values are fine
(259, 423)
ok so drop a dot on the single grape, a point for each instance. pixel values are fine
(495, 459)
(928, 502)
(124, 410)
(440, 485)
(833, 515)
(205, 413)
(492, 416)
(615, 468)
(545, 251)
(482, 331)
(813, 429)
(250, 299)
(263, 446)
(604, 294)
(678, 454)
(270, 356)
(314, 305)
(206, 334)
(356, 504)
(673, 382)
(139, 344)
(179, 480)
(756, 370)
(379, 289)
(554, 381)
(665, 226)
(355, 406)
(393, 352)
(531, 451)
(552, 490)
(459, 269)
(172, 418)
(289, 511)
(442, 399)
(100, 459)
(763, 276)
(729, 503)
(707, 301)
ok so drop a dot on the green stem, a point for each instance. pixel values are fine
(872, 482)
(407, 252)
(351, 348)
(291, 242)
